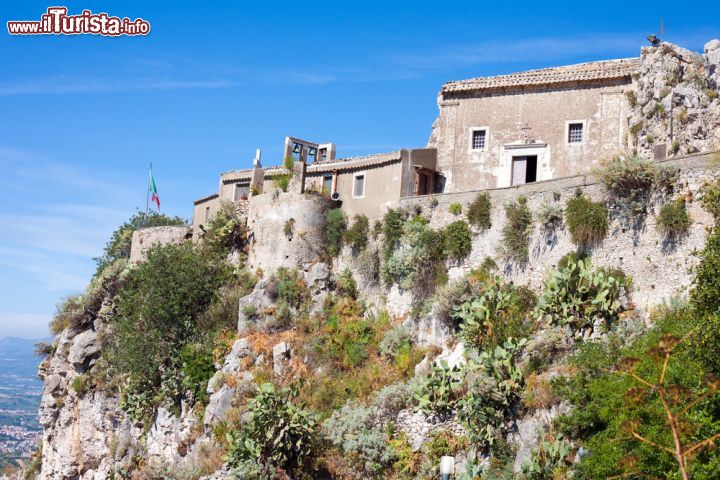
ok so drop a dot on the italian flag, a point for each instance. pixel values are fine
(153, 191)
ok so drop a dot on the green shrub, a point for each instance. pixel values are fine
(162, 298)
(497, 314)
(457, 240)
(71, 311)
(393, 222)
(346, 284)
(517, 230)
(711, 199)
(80, 384)
(282, 181)
(335, 226)
(704, 299)
(674, 220)
(439, 392)
(550, 216)
(357, 235)
(278, 435)
(414, 264)
(395, 341)
(610, 404)
(455, 208)
(356, 429)
(478, 212)
(225, 230)
(197, 369)
(577, 295)
(586, 220)
(290, 288)
(118, 247)
(630, 181)
(493, 382)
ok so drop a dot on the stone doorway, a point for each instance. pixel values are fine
(524, 169)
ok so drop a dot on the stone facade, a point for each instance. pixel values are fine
(287, 230)
(145, 238)
(529, 115)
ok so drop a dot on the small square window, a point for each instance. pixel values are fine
(241, 191)
(478, 139)
(359, 187)
(575, 133)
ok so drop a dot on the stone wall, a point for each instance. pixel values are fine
(272, 245)
(660, 270)
(145, 238)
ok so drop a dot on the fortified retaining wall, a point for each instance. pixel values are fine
(660, 269)
(286, 230)
(145, 238)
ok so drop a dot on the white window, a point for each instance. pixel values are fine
(478, 139)
(359, 185)
(576, 132)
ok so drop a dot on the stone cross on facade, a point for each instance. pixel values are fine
(526, 132)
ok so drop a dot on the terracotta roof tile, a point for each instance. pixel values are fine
(355, 162)
(582, 72)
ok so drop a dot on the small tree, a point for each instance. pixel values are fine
(335, 227)
(677, 402)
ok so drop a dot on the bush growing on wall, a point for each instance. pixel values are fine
(586, 220)
(674, 220)
(413, 264)
(224, 230)
(335, 226)
(478, 212)
(357, 235)
(455, 208)
(517, 230)
(630, 181)
(393, 222)
(457, 240)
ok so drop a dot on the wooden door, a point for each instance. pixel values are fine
(519, 170)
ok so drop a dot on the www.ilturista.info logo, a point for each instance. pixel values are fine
(57, 22)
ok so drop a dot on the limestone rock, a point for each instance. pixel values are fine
(255, 301)
(241, 349)
(528, 430)
(218, 405)
(281, 357)
(84, 349)
(317, 277)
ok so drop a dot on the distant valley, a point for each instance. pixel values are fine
(20, 392)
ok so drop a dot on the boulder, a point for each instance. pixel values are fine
(256, 301)
(317, 277)
(281, 357)
(84, 350)
(218, 405)
(241, 349)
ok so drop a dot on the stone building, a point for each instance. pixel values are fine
(508, 130)
(529, 126)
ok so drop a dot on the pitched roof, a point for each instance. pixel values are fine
(582, 72)
(206, 198)
(355, 162)
(246, 174)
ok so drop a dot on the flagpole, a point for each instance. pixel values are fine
(147, 194)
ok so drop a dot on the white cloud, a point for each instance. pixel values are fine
(63, 84)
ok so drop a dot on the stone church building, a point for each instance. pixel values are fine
(507, 130)
(536, 125)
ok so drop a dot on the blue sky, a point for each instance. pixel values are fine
(81, 116)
